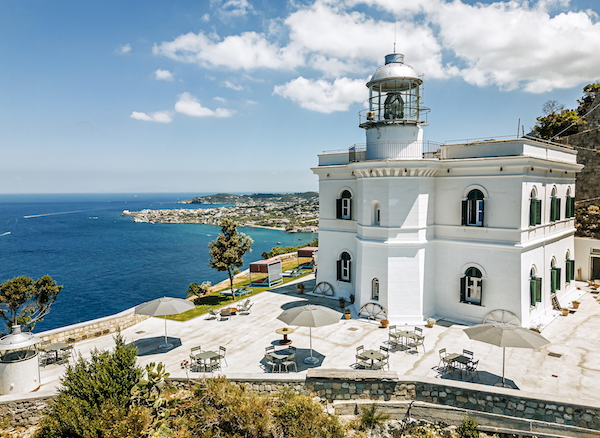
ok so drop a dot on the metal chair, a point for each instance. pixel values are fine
(468, 353)
(289, 361)
(213, 314)
(448, 364)
(471, 368)
(269, 349)
(225, 314)
(214, 364)
(270, 361)
(361, 363)
(223, 352)
(359, 350)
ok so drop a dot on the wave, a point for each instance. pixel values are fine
(53, 214)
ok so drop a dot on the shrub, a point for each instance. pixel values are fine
(468, 428)
(298, 416)
(370, 417)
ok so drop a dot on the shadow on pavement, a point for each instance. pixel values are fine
(148, 346)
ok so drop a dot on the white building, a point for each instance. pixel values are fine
(449, 231)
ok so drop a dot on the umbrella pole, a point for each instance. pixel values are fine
(311, 360)
(503, 362)
(310, 335)
(166, 344)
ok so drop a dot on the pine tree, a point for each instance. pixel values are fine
(228, 249)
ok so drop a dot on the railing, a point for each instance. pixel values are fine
(392, 149)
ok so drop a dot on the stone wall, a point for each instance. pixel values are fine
(491, 406)
(93, 329)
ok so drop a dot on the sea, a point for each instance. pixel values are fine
(106, 262)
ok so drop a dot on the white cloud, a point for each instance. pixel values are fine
(220, 99)
(323, 96)
(188, 104)
(159, 116)
(248, 50)
(228, 9)
(124, 49)
(163, 75)
(206, 18)
(233, 86)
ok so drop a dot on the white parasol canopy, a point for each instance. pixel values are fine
(310, 316)
(506, 335)
(162, 307)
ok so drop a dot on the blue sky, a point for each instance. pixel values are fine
(241, 95)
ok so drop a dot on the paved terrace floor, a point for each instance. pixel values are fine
(569, 367)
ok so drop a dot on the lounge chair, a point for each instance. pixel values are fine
(213, 314)
(225, 314)
(245, 307)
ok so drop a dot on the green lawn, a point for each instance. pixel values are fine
(214, 300)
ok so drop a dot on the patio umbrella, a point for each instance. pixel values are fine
(506, 335)
(162, 307)
(310, 316)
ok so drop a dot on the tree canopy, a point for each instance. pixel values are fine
(26, 301)
(228, 249)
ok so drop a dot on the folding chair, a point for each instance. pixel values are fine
(223, 352)
(289, 361)
(468, 353)
(270, 361)
(471, 368)
(359, 350)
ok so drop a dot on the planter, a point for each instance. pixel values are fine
(347, 315)
(300, 288)
(575, 304)
(565, 312)
(383, 323)
(430, 322)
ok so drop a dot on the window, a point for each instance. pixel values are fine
(535, 287)
(554, 206)
(535, 209)
(472, 209)
(470, 287)
(375, 289)
(554, 277)
(376, 214)
(569, 268)
(343, 267)
(344, 206)
(569, 205)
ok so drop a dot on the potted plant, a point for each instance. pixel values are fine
(383, 323)
(347, 313)
(575, 304)
(300, 288)
(564, 311)
(430, 322)
(352, 298)
(342, 301)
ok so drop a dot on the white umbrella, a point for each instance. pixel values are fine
(162, 307)
(506, 335)
(310, 316)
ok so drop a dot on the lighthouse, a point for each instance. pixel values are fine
(411, 229)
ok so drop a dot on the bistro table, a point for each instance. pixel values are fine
(56, 347)
(285, 332)
(206, 356)
(281, 354)
(459, 359)
(373, 355)
(406, 335)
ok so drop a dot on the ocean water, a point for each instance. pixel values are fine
(106, 262)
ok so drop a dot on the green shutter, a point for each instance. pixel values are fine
(554, 279)
(532, 294)
(338, 208)
(538, 289)
(572, 204)
(463, 289)
(552, 209)
(532, 212)
(482, 213)
(570, 270)
(570, 207)
(463, 219)
(538, 211)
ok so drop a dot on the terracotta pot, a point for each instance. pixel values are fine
(347, 315)
(383, 323)
(565, 312)
(575, 304)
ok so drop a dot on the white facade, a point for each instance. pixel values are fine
(447, 234)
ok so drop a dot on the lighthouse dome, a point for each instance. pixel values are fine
(403, 75)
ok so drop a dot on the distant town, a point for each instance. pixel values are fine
(292, 212)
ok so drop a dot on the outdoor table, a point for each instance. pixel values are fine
(460, 359)
(281, 354)
(204, 356)
(233, 310)
(373, 355)
(407, 335)
(56, 347)
(285, 331)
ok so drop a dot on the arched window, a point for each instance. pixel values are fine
(535, 287)
(535, 209)
(471, 286)
(375, 289)
(569, 205)
(554, 276)
(472, 209)
(343, 267)
(344, 206)
(376, 213)
(554, 206)
(569, 267)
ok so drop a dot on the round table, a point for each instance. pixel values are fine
(285, 332)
